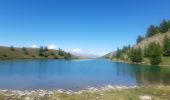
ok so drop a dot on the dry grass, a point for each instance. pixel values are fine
(159, 38)
(30, 53)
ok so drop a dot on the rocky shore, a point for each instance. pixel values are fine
(105, 93)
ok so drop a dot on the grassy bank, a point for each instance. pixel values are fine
(146, 61)
(149, 93)
(31, 53)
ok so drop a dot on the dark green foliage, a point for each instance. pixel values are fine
(146, 52)
(41, 51)
(56, 57)
(24, 49)
(169, 24)
(61, 52)
(45, 48)
(52, 53)
(45, 54)
(118, 53)
(4, 55)
(164, 26)
(155, 53)
(33, 56)
(139, 39)
(67, 56)
(152, 30)
(26, 52)
(166, 46)
(122, 51)
(12, 48)
(136, 55)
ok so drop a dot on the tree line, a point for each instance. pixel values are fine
(155, 29)
(153, 51)
(45, 52)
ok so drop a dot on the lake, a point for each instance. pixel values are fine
(77, 74)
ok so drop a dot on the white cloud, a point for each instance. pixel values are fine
(52, 46)
(104, 53)
(34, 46)
(77, 50)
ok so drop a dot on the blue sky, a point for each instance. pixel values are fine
(88, 26)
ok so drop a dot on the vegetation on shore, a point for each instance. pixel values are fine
(33, 53)
(142, 93)
(152, 49)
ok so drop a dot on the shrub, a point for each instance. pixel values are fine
(136, 55)
(12, 48)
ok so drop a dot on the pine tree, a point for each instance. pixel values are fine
(152, 30)
(169, 24)
(136, 55)
(164, 26)
(12, 48)
(24, 49)
(139, 39)
(166, 46)
(155, 53)
(41, 51)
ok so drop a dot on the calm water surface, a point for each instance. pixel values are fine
(77, 74)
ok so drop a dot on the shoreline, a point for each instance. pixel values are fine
(128, 62)
(95, 93)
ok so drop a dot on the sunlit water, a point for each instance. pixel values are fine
(77, 74)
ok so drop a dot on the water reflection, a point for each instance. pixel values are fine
(145, 75)
(78, 74)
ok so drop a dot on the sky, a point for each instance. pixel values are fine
(83, 26)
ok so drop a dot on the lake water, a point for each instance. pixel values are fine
(77, 74)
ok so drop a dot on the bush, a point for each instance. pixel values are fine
(166, 46)
(152, 30)
(155, 53)
(24, 49)
(12, 48)
(136, 55)
(164, 26)
(4, 55)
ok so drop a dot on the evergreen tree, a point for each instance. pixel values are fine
(45, 48)
(164, 26)
(60, 52)
(136, 55)
(24, 49)
(152, 30)
(41, 51)
(12, 48)
(139, 39)
(67, 55)
(155, 53)
(146, 52)
(166, 46)
(169, 24)
(118, 53)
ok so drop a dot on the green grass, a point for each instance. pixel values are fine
(165, 61)
(127, 94)
(156, 93)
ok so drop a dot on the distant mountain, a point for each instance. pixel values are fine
(85, 55)
(109, 55)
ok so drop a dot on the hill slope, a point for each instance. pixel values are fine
(158, 38)
(29, 53)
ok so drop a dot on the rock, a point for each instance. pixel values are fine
(28, 98)
(145, 98)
